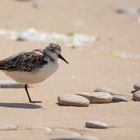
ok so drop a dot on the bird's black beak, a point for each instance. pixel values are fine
(62, 58)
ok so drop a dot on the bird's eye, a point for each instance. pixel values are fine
(52, 50)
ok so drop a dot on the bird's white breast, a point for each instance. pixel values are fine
(34, 76)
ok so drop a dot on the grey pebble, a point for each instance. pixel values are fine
(136, 96)
(136, 87)
(97, 97)
(116, 97)
(73, 100)
(119, 98)
(76, 138)
(96, 124)
(127, 9)
(106, 89)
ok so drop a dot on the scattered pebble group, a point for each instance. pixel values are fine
(83, 99)
(99, 95)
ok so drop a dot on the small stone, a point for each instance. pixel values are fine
(72, 100)
(96, 124)
(106, 89)
(76, 138)
(8, 127)
(136, 96)
(97, 97)
(119, 98)
(127, 9)
(116, 97)
(137, 86)
(11, 84)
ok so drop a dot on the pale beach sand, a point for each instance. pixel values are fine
(112, 61)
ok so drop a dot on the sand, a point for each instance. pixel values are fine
(111, 61)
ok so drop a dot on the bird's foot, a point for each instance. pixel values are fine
(35, 102)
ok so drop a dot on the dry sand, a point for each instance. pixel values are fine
(90, 67)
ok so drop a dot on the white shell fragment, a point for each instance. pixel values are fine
(73, 100)
(32, 34)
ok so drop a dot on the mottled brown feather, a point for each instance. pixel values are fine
(24, 61)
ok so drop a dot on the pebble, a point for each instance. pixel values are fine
(116, 97)
(127, 9)
(8, 127)
(11, 84)
(97, 97)
(72, 100)
(136, 87)
(119, 98)
(106, 89)
(76, 138)
(136, 96)
(96, 124)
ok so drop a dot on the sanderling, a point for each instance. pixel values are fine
(32, 67)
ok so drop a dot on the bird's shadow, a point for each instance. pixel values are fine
(20, 105)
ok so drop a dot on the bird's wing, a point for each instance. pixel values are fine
(24, 61)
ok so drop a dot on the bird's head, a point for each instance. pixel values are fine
(54, 51)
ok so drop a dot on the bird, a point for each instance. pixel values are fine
(33, 66)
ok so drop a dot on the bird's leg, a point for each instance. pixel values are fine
(30, 100)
